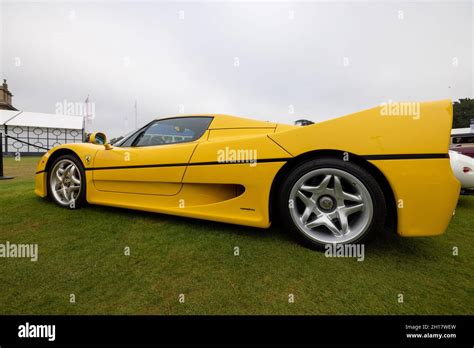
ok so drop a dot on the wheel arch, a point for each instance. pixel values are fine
(58, 153)
(49, 163)
(391, 220)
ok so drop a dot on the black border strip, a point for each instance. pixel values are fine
(270, 160)
(254, 330)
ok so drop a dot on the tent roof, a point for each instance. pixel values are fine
(5, 115)
(456, 131)
(37, 119)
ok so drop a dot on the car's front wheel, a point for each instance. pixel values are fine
(330, 201)
(66, 182)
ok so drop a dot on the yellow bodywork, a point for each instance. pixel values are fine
(187, 179)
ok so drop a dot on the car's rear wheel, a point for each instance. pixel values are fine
(66, 182)
(330, 201)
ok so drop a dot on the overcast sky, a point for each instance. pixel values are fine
(276, 61)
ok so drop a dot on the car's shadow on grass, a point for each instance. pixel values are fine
(408, 248)
(192, 224)
(384, 245)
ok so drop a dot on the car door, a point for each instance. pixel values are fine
(152, 161)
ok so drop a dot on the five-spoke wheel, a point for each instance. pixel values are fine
(331, 205)
(330, 201)
(66, 181)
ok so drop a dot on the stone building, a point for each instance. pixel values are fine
(5, 97)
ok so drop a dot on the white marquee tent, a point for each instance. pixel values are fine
(32, 132)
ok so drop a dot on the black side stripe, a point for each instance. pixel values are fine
(270, 160)
(267, 160)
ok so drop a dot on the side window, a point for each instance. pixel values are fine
(173, 130)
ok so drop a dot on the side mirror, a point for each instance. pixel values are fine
(98, 138)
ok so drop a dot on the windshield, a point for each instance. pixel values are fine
(167, 131)
(123, 139)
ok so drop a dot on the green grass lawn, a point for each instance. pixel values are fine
(81, 252)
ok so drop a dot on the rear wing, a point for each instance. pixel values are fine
(418, 128)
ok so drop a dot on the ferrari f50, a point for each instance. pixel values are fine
(340, 181)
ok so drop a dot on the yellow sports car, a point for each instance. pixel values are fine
(340, 181)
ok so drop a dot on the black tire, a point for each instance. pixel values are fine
(376, 224)
(78, 201)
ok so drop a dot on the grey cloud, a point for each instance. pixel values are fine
(126, 51)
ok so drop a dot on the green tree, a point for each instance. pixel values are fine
(463, 111)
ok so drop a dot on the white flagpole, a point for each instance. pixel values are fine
(87, 111)
(84, 127)
(136, 114)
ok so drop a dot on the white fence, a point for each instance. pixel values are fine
(32, 140)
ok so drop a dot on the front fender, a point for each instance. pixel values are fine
(84, 151)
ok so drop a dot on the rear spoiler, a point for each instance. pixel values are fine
(389, 129)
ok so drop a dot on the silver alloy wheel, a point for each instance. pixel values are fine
(331, 206)
(65, 181)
